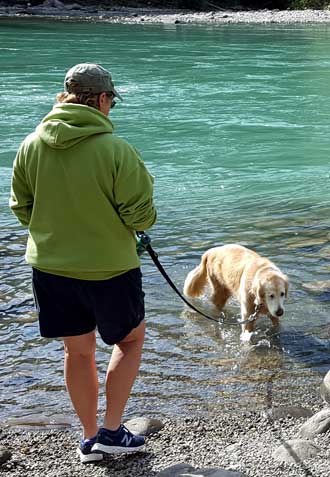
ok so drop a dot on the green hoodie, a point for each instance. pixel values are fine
(82, 192)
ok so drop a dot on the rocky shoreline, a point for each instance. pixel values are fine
(231, 445)
(56, 10)
(281, 441)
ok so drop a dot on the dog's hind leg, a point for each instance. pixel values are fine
(220, 293)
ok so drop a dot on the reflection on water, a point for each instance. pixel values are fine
(239, 146)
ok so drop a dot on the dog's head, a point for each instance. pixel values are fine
(271, 290)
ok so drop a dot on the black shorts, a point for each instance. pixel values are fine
(72, 307)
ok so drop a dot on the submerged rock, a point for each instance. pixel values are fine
(320, 286)
(281, 412)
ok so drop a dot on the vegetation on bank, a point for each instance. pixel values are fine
(200, 5)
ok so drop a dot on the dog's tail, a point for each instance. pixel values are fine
(196, 279)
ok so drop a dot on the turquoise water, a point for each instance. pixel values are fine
(233, 121)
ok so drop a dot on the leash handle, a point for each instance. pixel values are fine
(142, 241)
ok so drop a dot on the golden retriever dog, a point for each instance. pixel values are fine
(234, 270)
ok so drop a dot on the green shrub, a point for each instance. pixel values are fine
(308, 4)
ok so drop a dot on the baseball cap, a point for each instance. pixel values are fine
(89, 78)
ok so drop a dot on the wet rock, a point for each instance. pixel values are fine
(144, 426)
(215, 473)
(317, 424)
(186, 470)
(295, 451)
(325, 388)
(5, 454)
(281, 412)
(324, 252)
(310, 243)
(39, 422)
(175, 470)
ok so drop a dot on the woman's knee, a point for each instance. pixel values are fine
(137, 334)
(80, 346)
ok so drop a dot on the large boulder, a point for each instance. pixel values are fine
(317, 424)
(325, 388)
(295, 451)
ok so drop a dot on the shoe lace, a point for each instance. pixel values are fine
(125, 429)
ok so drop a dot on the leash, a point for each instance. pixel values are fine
(144, 244)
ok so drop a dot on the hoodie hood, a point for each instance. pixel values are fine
(67, 124)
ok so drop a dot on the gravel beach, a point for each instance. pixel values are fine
(242, 443)
(55, 9)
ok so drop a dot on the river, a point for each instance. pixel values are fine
(233, 122)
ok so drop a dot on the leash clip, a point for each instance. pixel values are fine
(252, 317)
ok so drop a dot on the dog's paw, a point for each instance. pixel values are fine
(247, 336)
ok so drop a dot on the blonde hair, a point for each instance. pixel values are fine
(88, 99)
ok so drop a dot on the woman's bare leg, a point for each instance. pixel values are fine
(80, 374)
(122, 371)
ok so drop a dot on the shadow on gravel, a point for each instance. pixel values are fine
(137, 465)
(293, 454)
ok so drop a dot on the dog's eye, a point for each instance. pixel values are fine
(272, 296)
(282, 294)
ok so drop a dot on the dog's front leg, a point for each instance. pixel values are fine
(247, 328)
(275, 321)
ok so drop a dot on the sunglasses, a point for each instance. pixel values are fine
(113, 102)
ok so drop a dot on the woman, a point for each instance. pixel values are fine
(82, 193)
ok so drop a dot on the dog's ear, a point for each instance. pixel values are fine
(258, 291)
(286, 284)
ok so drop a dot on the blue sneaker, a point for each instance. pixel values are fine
(85, 451)
(116, 442)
